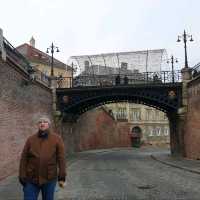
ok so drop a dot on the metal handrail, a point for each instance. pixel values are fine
(135, 78)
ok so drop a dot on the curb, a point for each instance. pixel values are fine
(175, 166)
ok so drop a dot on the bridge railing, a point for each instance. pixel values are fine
(122, 79)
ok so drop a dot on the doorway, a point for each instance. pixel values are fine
(136, 134)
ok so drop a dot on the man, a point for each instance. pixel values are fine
(42, 154)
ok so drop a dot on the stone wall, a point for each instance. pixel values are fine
(21, 103)
(192, 130)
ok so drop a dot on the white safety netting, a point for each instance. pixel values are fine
(114, 63)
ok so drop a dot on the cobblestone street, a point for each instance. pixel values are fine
(119, 174)
(127, 174)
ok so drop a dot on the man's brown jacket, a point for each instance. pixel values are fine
(43, 159)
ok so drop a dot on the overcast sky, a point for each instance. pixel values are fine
(82, 27)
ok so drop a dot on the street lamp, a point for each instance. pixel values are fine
(73, 71)
(172, 60)
(185, 37)
(52, 48)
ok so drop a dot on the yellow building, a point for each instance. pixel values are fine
(41, 63)
(152, 123)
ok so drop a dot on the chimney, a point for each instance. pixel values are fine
(32, 42)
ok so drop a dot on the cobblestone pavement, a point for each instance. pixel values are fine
(119, 174)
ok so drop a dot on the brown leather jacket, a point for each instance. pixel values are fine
(40, 159)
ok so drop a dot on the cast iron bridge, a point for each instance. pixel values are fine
(161, 90)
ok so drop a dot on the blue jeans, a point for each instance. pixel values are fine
(31, 191)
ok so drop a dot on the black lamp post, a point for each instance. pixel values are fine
(185, 37)
(52, 48)
(74, 70)
(172, 60)
(72, 75)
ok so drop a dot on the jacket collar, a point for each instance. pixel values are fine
(43, 134)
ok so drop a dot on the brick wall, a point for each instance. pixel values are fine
(192, 133)
(20, 106)
(96, 129)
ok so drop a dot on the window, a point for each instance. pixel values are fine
(121, 113)
(148, 114)
(157, 114)
(135, 114)
(153, 115)
(166, 131)
(151, 132)
(158, 131)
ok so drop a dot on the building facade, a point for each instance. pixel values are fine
(151, 124)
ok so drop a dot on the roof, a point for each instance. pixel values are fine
(35, 55)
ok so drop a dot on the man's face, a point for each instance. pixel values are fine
(43, 125)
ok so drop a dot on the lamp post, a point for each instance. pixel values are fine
(72, 74)
(74, 70)
(52, 48)
(185, 37)
(172, 60)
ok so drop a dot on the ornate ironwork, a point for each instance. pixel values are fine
(165, 97)
(124, 79)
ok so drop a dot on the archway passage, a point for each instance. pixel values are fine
(136, 134)
(83, 99)
(159, 96)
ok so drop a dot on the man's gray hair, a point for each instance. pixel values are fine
(44, 118)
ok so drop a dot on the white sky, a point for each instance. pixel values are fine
(82, 27)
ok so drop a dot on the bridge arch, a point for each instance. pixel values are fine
(162, 103)
(164, 97)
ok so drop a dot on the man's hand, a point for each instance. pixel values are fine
(61, 184)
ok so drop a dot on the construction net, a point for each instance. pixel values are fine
(120, 63)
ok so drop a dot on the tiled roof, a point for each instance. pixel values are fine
(35, 55)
